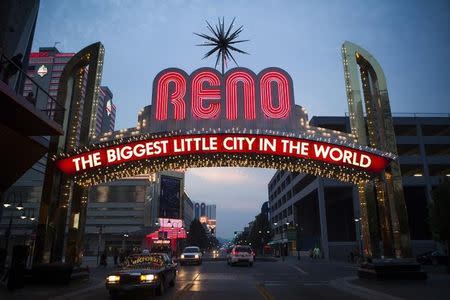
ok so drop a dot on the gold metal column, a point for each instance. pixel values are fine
(78, 91)
(382, 200)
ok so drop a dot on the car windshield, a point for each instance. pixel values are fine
(152, 261)
(243, 249)
(191, 250)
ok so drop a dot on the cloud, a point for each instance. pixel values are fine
(221, 175)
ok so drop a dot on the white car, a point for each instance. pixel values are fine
(191, 255)
(241, 254)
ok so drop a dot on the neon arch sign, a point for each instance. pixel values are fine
(238, 119)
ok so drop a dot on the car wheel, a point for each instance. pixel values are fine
(161, 288)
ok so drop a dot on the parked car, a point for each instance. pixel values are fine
(191, 255)
(152, 272)
(241, 254)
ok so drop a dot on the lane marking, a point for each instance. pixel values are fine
(185, 289)
(300, 270)
(79, 292)
(264, 292)
(343, 284)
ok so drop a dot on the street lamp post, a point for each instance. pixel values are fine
(359, 236)
(125, 235)
(23, 216)
(262, 242)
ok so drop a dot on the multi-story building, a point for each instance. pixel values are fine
(116, 215)
(188, 210)
(44, 70)
(106, 112)
(306, 210)
(122, 213)
(204, 210)
(206, 214)
(25, 127)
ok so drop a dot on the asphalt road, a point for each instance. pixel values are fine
(217, 280)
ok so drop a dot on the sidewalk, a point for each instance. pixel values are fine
(437, 286)
(44, 292)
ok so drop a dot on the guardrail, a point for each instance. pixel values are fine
(13, 75)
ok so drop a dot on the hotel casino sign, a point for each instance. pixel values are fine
(239, 119)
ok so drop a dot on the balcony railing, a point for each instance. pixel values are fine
(12, 75)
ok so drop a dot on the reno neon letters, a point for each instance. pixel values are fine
(207, 95)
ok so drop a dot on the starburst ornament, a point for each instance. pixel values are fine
(222, 42)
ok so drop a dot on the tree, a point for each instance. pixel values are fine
(241, 238)
(213, 243)
(197, 235)
(261, 233)
(440, 215)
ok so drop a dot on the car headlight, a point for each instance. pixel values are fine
(113, 278)
(147, 277)
(182, 255)
(196, 256)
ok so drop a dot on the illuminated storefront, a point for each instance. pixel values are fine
(168, 237)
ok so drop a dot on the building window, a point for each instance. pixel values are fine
(58, 67)
(439, 170)
(411, 170)
(303, 183)
(405, 130)
(408, 149)
(437, 150)
(436, 130)
(289, 194)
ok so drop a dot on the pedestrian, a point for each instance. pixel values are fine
(316, 252)
(352, 257)
(12, 67)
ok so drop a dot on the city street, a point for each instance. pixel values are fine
(286, 280)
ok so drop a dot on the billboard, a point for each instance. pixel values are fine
(170, 197)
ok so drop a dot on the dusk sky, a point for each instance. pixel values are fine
(410, 39)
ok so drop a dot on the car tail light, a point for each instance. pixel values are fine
(233, 252)
(253, 253)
